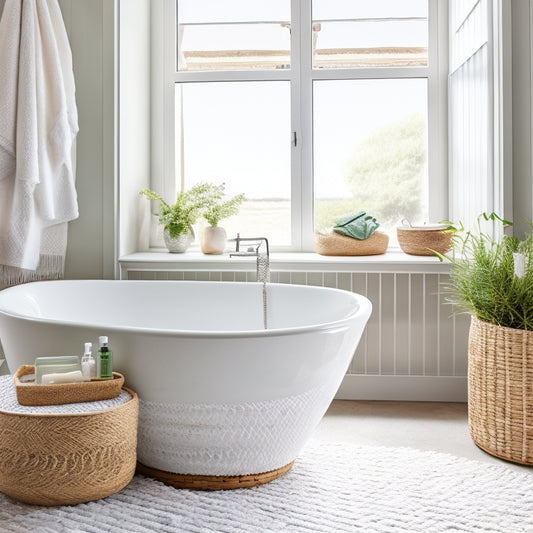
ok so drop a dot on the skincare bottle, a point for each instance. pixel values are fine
(88, 363)
(105, 359)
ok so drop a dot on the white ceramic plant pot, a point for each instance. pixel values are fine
(179, 244)
(213, 240)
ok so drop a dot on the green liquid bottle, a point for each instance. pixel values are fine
(105, 360)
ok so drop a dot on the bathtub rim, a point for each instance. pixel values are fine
(362, 311)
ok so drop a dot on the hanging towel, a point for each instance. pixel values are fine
(38, 127)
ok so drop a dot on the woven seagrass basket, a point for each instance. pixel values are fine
(419, 241)
(500, 390)
(66, 459)
(334, 244)
(61, 393)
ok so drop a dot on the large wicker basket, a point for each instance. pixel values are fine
(66, 459)
(500, 390)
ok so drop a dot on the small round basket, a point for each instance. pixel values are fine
(66, 459)
(422, 240)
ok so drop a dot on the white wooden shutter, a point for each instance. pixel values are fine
(478, 127)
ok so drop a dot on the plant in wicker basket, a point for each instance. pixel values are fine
(493, 280)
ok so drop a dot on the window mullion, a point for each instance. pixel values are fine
(296, 130)
(438, 111)
(232, 75)
(366, 73)
(306, 126)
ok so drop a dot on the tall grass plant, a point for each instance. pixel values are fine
(492, 278)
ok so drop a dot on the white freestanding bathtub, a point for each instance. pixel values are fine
(219, 395)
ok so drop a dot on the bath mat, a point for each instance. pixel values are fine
(333, 487)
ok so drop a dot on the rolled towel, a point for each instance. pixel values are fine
(359, 226)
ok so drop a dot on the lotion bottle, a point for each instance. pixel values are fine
(105, 359)
(88, 363)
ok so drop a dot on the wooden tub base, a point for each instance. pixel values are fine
(200, 482)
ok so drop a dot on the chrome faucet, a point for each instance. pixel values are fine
(262, 263)
(251, 249)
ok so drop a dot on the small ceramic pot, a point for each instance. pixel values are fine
(213, 240)
(179, 244)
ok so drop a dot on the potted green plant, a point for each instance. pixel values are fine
(178, 218)
(492, 279)
(217, 207)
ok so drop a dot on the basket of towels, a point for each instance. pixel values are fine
(354, 234)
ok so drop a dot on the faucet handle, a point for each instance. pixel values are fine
(237, 241)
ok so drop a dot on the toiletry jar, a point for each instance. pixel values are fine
(66, 454)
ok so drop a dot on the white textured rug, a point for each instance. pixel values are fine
(331, 488)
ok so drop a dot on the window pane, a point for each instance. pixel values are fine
(238, 133)
(359, 33)
(370, 140)
(233, 34)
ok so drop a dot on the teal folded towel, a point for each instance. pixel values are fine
(359, 226)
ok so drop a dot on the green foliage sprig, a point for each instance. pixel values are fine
(204, 199)
(179, 217)
(483, 279)
(217, 208)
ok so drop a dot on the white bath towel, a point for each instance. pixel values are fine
(38, 126)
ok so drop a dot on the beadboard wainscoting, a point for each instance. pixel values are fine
(413, 347)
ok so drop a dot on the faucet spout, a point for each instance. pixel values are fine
(262, 263)
(252, 247)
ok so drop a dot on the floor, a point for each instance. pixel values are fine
(441, 427)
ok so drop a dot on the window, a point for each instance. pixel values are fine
(312, 108)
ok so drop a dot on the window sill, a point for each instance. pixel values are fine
(392, 261)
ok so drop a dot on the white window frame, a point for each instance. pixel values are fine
(301, 75)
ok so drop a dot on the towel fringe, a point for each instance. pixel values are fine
(49, 267)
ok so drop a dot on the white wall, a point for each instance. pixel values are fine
(90, 251)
